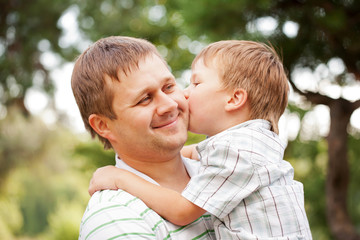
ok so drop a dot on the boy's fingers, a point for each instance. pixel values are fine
(97, 183)
(91, 189)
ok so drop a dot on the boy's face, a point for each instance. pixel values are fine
(206, 98)
(152, 113)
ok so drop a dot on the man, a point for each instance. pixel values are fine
(129, 99)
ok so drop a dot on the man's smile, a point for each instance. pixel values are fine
(168, 123)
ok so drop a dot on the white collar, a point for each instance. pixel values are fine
(192, 167)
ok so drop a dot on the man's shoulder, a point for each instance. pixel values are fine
(111, 196)
(113, 213)
(112, 200)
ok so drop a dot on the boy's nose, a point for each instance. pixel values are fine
(186, 92)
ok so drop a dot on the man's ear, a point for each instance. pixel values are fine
(100, 125)
(236, 100)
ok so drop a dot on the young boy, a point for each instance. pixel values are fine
(238, 92)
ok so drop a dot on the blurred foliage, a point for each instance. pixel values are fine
(21, 141)
(326, 28)
(28, 29)
(160, 24)
(11, 220)
(309, 159)
(44, 178)
(194, 138)
(94, 154)
(354, 190)
(64, 222)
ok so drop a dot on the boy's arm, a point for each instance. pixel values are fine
(166, 202)
(189, 151)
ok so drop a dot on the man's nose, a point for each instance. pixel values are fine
(165, 104)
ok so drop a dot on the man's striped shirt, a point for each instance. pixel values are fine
(117, 214)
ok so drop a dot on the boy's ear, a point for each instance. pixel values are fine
(100, 125)
(236, 100)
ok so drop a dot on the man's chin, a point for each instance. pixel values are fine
(170, 145)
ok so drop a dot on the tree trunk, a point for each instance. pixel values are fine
(337, 180)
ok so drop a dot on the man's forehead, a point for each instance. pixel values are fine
(141, 64)
(151, 73)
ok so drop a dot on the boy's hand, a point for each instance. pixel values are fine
(189, 151)
(104, 178)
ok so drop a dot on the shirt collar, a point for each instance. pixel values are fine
(256, 123)
(192, 167)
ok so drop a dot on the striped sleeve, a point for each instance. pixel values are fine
(107, 219)
(225, 179)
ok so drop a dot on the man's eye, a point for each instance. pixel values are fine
(168, 87)
(145, 100)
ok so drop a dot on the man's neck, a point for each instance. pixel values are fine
(170, 173)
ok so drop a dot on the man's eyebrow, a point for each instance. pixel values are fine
(167, 80)
(138, 95)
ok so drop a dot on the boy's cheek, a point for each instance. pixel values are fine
(187, 103)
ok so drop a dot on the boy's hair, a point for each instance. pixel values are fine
(254, 67)
(105, 59)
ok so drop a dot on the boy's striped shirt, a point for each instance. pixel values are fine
(248, 187)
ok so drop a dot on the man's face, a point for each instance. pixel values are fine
(152, 113)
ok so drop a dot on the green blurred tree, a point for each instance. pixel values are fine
(27, 30)
(64, 222)
(309, 158)
(94, 154)
(152, 20)
(44, 178)
(11, 220)
(19, 145)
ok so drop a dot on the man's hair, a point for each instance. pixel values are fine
(105, 59)
(254, 67)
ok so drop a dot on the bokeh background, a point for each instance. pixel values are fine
(47, 158)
